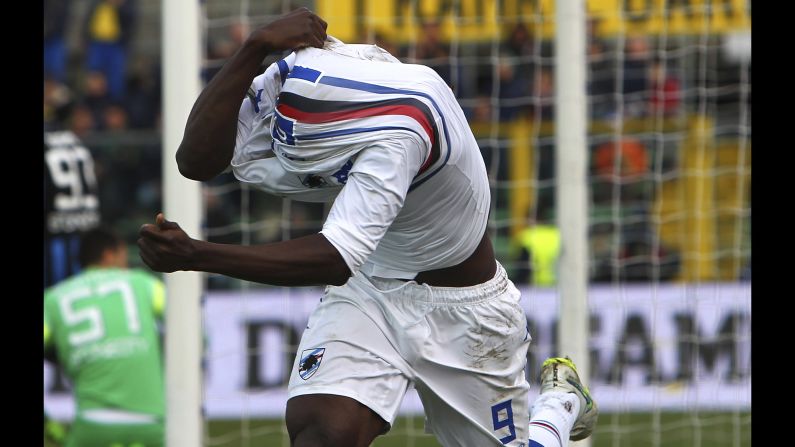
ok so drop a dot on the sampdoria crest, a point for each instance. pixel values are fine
(310, 362)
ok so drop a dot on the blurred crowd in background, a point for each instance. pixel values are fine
(102, 81)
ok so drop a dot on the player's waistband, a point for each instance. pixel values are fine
(114, 416)
(444, 295)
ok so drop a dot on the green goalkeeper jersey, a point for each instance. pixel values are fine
(103, 326)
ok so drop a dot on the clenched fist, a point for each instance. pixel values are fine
(165, 247)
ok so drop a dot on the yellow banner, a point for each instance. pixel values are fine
(484, 20)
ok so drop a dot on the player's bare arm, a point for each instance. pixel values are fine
(308, 260)
(209, 140)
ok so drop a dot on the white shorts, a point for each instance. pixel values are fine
(463, 348)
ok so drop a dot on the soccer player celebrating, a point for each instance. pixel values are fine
(101, 326)
(415, 295)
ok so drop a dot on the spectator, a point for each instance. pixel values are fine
(221, 49)
(56, 18)
(539, 246)
(666, 90)
(513, 87)
(514, 71)
(431, 51)
(543, 94)
(630, 172)
(482, 110)
(108, 32)
(601, 79)
(143, 95)
(115, 118)
(81, 121)
(520, 44)
(383, 42)
(635, 73)
(96, 96)
(58, 103)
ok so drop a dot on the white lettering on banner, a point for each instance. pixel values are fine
(670, 347)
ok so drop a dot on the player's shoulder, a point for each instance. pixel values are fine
(144, 276)
(64, 286)
(153, 288)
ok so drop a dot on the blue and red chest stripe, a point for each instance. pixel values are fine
(296, 108)
(313, 111)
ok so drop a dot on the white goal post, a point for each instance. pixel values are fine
(571, 150)
(181, 50)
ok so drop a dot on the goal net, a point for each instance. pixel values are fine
(669, 156)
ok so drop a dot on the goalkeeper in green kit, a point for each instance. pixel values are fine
(102, 327)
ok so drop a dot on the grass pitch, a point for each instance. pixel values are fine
(702, 429)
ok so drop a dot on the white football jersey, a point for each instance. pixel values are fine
(386, 141)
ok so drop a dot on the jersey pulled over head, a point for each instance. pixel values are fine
(317, 108)
(354, 116)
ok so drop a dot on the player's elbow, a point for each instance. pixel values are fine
(192, 168)
(337, 273)
(336, 270)
(339, 278)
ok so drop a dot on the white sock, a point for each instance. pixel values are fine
(552, 418)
